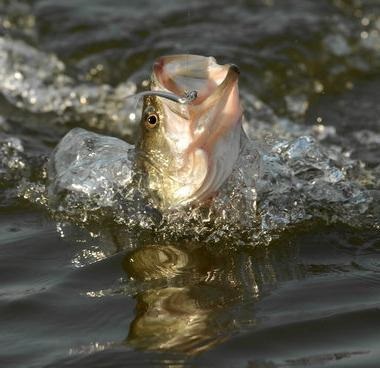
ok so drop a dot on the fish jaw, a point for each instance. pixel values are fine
(203, 138)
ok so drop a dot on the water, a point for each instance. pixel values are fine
(281, 271)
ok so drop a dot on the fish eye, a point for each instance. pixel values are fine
(151, 120)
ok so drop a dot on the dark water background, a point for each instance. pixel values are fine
(311, 298)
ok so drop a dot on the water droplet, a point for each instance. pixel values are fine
(318, 87)
(364, 35)
(18, 76)
(349, 85)
(7, 23)
(132, 116)
(365, 21)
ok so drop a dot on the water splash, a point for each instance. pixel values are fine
(287, 174)
(37, 82)
(272, 188)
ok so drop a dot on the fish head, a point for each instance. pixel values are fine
(187, 151)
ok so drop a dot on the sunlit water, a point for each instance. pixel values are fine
(281, 269)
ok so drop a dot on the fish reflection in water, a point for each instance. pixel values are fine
(171, 318)
(191, 295)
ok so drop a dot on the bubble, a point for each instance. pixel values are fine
(18, 76)
(318, 87)
(365, 21)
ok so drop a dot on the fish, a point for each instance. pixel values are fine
(187, 146)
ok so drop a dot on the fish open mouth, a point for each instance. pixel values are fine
(181, 74)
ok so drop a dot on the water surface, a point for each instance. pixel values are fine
(111, 292)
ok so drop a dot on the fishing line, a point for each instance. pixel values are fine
(187, 26)
(186, 99)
